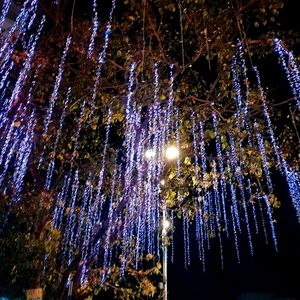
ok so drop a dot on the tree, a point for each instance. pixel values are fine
(155, 68)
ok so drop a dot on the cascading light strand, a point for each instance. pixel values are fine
(84, 208)
(290, 69)
(268, 120)
(252, 203)
(5, 8)
(22, 159)
(195, 146)
(292, 179)
(216, 197)
(170, 103)
(263, 153)
(57, 217)
(110, 225)
(54, 96)
(241, 56)
(18, 28)
(172, 239)
(10, 155)
(280, 159)
(102, 56)
(98, 203)
(186, 238)
(7, 139)
(236, 242)
(57, 84)
(221, 168)
(263, 223)
(208, 224)
(70, 222)
(199, 223)
(23, 75)
(177, 140)
(240, 180)
(236, 167)
(94, 30)
(265, 198)
(51, 164)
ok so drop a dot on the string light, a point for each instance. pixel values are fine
(102, 55)
(60, 203)
(98, 203)
(150, 153)
(5, 8)
(252, 206)
(177, 140)
(265, 198)
(264, 158)
(236, 243)
(22, 159)
(70, 223)
(290, 69)
(186, 237)
(94, 30)
(263, 222)
(268, 120)
(51, 165)
(240, 181)
(170, 100)
(54, 94)
(221, 167)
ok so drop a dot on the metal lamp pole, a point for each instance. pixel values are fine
(172, 153)
(165, 226)
(70, 290)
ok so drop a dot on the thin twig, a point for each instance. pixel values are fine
(284, 102)
(294, 123)
(72, 15)
(181, 34)
(144, 41)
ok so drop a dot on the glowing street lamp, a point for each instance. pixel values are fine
(172, 153)
(166, 225)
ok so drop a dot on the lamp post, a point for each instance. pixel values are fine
(165, 227)
(172, 153)
(70, 289)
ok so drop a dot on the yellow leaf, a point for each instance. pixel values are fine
(17, 124)
(187, 161)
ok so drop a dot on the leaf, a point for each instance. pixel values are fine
(187, 161)
(17, 124)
